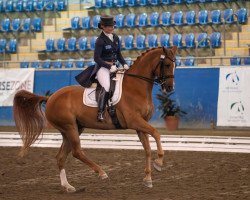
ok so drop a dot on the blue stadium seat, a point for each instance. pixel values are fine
(155, 19)
(57, 64)
(109, 4)
(246, 61)
(178, 18)
(120, 3)
(83, 43)
(39, 5)
(3, 43)
(61, 45)
(49, 5)
(242, 15)
(69, 63)
(50, 45)
(37, 24)
(15, 24)
(132, 3)
(5, 25)
(165, 40)
(86, 22)
(128, 42)
(12, 46)
(75, 23)
(215, 39)
(140, 41)
(71, 44)
(143, 2)
(177, 40)
(178, 61)
(9, 6)
(152, 41)
(90, 62)
(190, 40)
(35, 64)
(92, 42)
(191, 17)
(120, 41)
(235, 61)
(60, 5)
(24, 64)
(203, 17)
(120, 18)
(143, 20)
(98, 4)
(189, 61)
(28, 6)
(166, 19)
(155, 2)
(95, 20)
(130, 20)
(216, 17)
(202, 40)
(26, 23)
(179, 1)
(19, 6)
(229, 16)
(191, 1)
(1, 6)
(79, 63)
(166, 2)
(129, 61)
(46, 64)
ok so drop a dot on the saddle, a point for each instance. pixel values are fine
(91, 95)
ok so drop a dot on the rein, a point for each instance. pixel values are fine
(162, 79)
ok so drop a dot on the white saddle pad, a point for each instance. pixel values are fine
(89, 97)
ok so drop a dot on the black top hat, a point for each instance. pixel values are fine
(106, 20)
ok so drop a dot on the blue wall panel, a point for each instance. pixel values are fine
(196, 91)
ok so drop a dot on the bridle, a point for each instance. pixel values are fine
(162, 77)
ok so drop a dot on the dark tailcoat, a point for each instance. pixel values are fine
(106, 52)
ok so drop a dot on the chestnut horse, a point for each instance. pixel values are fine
(65, 111)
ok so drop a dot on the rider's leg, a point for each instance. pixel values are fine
(103, 77)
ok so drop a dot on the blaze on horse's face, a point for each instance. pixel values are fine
(168, 68)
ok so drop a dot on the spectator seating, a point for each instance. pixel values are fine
(46, 64)
(8, 46)
(178, 18)
(83, 43)
(71, 44)
(189, 61)
(129, 42)
(130, 20)
(216, 17)
(246, 61)
(202, 40)
(155, 19)
(24, 64)
(57, 64)
(92, 42)
(177, 40)
(215, 39)
(190, 40)
(86, 22)
(166, 18)
(191, 17)
(3, 43)
(69, 63)
(235, 61)
(61, 45)
(152, 41)
(79, 63)
(120, 20)
(96, 19)
(165, 40)
(143, 20)
(140, 42)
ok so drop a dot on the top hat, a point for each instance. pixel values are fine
(106, 20)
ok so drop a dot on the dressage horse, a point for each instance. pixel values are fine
(66, 112)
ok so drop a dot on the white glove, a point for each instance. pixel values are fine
(113, 68)
(126, 67)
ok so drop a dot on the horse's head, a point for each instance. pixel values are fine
(165, 69)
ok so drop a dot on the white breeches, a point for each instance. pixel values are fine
(103, 76)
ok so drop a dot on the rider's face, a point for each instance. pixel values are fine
(108, 29)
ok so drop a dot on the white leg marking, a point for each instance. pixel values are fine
(64, 182)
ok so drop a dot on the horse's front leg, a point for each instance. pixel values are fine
(146, 145)
(141, 125)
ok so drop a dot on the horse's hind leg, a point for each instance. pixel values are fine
(146, 145)
(74, 140)
(61, 157)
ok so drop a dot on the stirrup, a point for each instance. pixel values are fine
(100, 117)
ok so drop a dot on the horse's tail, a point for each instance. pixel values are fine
(29, 117)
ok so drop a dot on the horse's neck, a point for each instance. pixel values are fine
(144, 68)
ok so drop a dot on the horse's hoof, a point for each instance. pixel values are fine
(148, 183)
(69, 189)
(103, 176)
(157, 166)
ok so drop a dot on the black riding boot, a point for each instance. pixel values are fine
(102, 102)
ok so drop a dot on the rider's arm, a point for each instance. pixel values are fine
(98, 52)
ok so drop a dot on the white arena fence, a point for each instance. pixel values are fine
(130, 141)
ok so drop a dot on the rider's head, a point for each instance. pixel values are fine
(107, 24)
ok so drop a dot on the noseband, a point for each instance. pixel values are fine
(162, 77)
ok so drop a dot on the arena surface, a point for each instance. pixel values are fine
(186, 175)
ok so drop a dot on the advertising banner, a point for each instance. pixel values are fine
(234, 97)
(13, 80)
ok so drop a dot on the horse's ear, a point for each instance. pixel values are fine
(174, 49)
